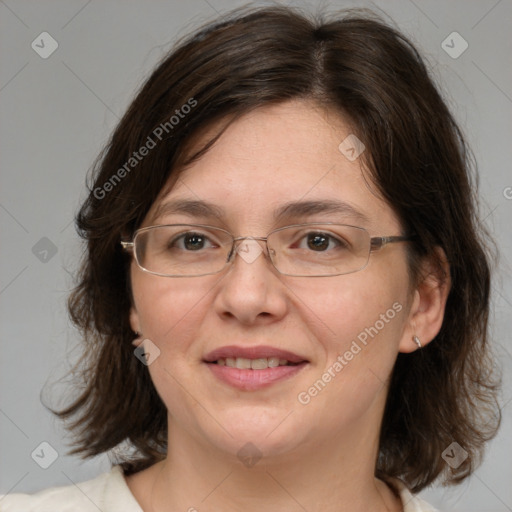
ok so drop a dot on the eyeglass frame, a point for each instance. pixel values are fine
(376, 243)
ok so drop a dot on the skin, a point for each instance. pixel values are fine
(319, 456)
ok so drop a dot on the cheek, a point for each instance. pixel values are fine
(170, 313)
(168, 309)
(358, 319)
(348, 305)
(360, 326)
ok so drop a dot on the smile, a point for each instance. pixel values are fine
(252, 368)
(261, 363)
(252, 380)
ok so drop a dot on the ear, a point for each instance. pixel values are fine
(135, 325)
(428, 303)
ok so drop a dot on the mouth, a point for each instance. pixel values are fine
(261, 363)
(252, 368)
(255, 358)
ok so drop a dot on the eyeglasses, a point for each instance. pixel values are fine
(300, 250)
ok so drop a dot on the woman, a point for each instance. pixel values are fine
(284, 227)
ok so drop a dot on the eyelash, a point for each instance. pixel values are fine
(182, 237)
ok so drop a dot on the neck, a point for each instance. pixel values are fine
(332, 476)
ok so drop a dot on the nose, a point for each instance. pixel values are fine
(252, 290)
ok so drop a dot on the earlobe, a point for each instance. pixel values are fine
(428, 305)
(135, 325)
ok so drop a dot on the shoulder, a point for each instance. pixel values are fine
(107, 492)
(410, 502)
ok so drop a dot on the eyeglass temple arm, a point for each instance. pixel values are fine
(127, 246)
(378, 242)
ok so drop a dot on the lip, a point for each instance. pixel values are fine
(258, 352)
(252, 380)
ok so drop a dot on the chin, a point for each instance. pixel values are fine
(249, 432)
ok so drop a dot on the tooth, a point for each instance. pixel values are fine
(259, 364)
(243, 363)
(273, 362)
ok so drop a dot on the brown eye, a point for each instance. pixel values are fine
(190, 242)
(194, 242)
(321, 242)
(318, 242)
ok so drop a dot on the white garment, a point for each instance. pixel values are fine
(109, 492)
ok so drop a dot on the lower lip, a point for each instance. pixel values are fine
(251, 380)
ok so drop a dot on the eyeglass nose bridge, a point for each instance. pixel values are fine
(251, 251)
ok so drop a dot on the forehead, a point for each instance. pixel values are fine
(275, 156)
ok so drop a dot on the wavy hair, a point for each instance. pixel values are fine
(354, 63)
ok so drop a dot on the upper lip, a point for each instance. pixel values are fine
(258, 352)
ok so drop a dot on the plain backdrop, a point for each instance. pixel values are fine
(57, 112)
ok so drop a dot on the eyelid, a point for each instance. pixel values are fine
(197, 211)
(337, 242)
(186, 220)
(307, 230)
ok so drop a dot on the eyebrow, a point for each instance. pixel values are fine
(291, 210)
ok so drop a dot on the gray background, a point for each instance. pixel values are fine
(55, 115)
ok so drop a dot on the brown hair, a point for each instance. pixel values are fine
(360, 66)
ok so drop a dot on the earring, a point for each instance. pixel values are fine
(416, 340)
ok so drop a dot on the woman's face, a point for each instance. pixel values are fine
(347, 329)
